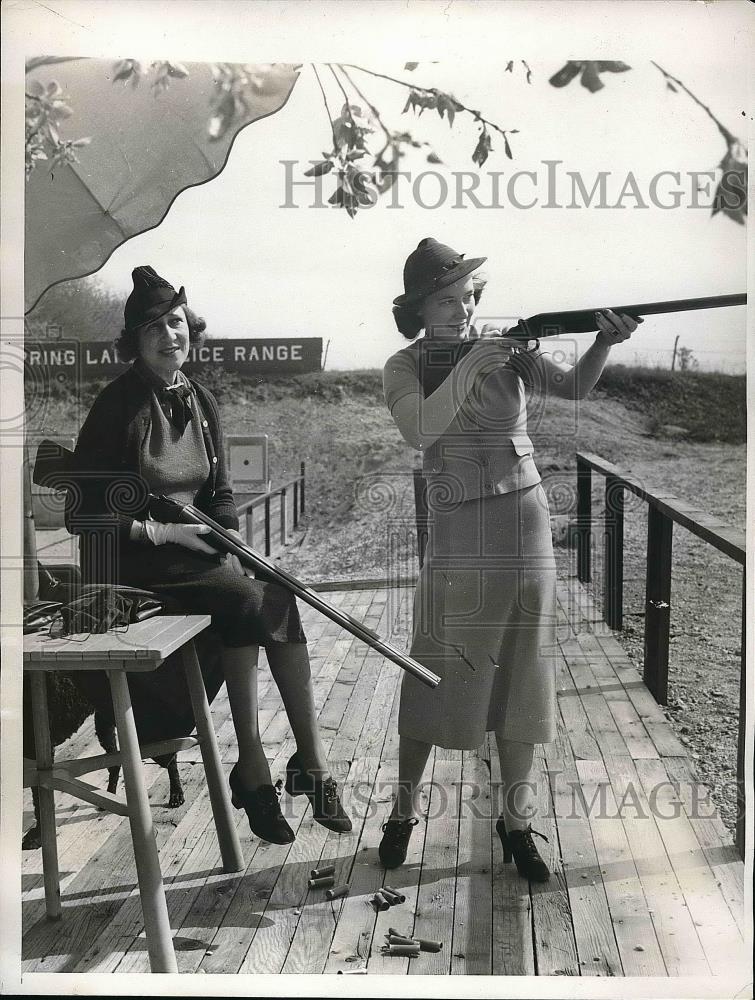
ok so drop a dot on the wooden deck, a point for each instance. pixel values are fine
(646, 881)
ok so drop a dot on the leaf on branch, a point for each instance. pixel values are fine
(34, 88)
(483, 148)
(507, 147)
(446, 104)
(421, 100)
(528, 71)
(127, 69)
(509, 66)
(566, 74)
(319, 168)
(411, 66)
(433, 157)
(731, 194)
(671, 87)
(590, 73)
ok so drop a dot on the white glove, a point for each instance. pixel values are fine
(179, 534)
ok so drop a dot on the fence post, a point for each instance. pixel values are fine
(296, 503)
(739, 838)
(249, 518)
(584, 519)
(613, 580)
(267, 526)
(284, 518)
(301, 494)
(657, 603)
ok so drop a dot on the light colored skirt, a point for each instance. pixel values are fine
(485, 622)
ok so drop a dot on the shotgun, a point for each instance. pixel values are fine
(170, 511)
(54, 468)
(438, 357)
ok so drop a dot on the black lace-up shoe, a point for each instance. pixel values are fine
(326, 805)
(262, 809)
(521, 846)
(393, 846)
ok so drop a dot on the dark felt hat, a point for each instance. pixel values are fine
(433, 266)
(151, 298)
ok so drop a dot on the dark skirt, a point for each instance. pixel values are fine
(244, 612)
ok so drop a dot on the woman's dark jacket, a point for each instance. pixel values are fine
(105, 495)
(108, 494)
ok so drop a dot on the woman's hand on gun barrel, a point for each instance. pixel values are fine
(615, 327)
(233, 561)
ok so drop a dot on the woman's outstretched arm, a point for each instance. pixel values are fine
(550, 378)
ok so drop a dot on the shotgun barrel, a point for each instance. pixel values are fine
(171, 511)
(554, 324)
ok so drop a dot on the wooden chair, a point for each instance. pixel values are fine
(142, 647)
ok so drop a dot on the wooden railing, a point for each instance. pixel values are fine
(253, 526)
(664, 510)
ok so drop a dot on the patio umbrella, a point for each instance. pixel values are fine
(151, 135)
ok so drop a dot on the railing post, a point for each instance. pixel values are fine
(249, 518)
(613, 580)
(657, 603)
(284, 518)
(584, 519)
(301, 493)
(420, 513)
(739, 838)
(296, 503)
(267, 526)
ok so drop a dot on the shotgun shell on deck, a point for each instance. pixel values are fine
(337, 891)
(322, 883)
(394, 892)
(323, 872)
(380, 902)
(392, 930)
(404, 949)
(425, 945)
(399, 939)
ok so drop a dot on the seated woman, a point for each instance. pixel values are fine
(154, 429)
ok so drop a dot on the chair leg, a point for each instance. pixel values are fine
(230, 848)
(162, 957)
(46, 795)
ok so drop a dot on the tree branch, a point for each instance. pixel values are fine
(327, 108)
(731, 140)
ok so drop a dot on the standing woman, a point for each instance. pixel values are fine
(485, 603)
(153, 429)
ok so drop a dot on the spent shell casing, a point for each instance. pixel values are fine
(337, 891)
(399, 939)
(392, 930)
(380, 902)
(403, 949)
(322, 883)
(323, 872)
(425, 945)
(394, 892)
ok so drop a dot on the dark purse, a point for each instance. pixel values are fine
(95, 609)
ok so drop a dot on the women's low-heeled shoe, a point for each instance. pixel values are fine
(326, 805)
(520, 845)
(393, 846)
(262, 808)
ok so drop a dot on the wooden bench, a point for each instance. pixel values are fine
(141, 647)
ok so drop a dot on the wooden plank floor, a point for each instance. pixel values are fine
(645, 879)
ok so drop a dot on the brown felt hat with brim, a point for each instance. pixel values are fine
(151, 298)
(433, 266)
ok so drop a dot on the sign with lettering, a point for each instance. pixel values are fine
(70, 359)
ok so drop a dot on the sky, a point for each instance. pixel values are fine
(255, 267)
